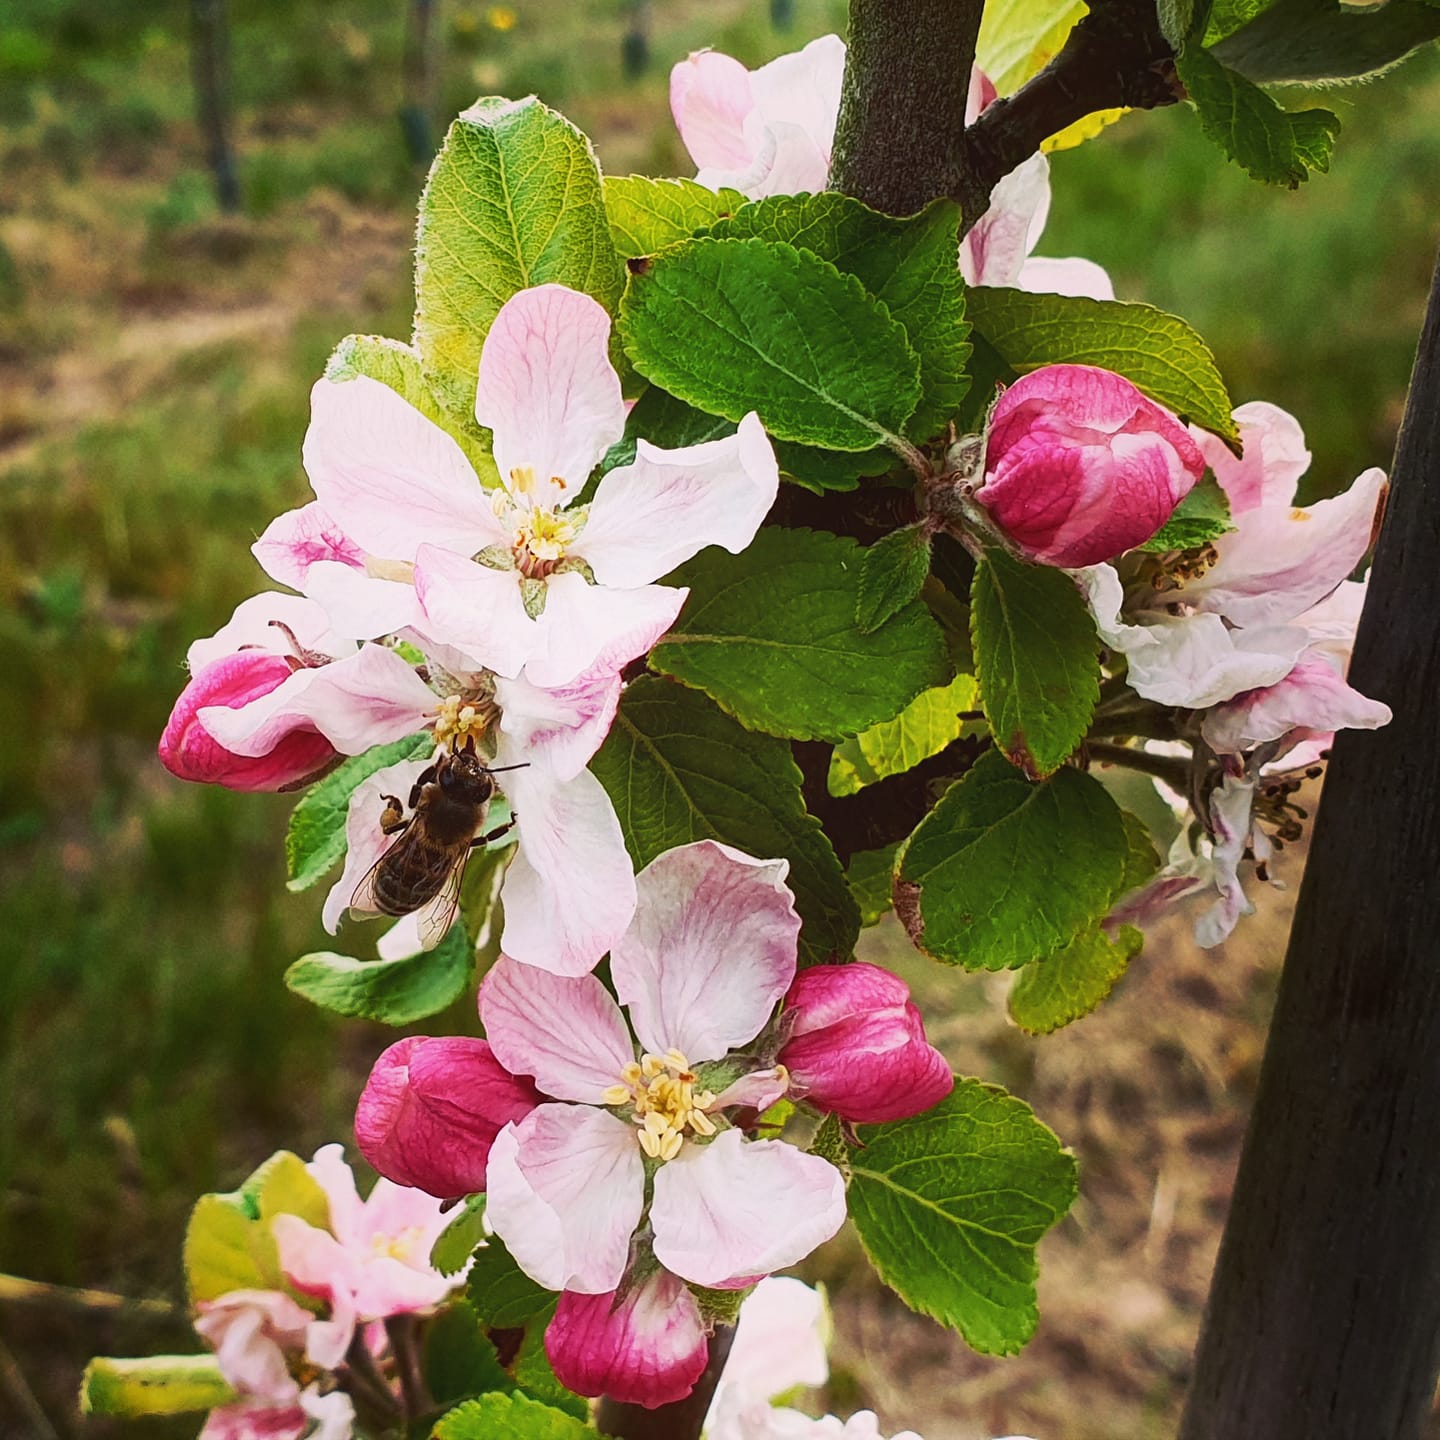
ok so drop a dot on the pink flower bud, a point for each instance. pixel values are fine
(1080, 466)
(188, 750)
(432, 1108)
(857, 1045)
(649, 1349)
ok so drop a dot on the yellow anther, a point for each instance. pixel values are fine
(651, 1066)
(700, 1122)
(522, 479)
(676, 1060)
(615, 1095)
(631, 1073)
(649, 1144)
(670, 1145)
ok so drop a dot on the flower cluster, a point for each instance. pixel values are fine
(617, 1142)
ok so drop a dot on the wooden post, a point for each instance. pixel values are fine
(210, 71)
(1324, 1315)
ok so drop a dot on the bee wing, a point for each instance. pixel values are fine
(363, 904)
(436, 916)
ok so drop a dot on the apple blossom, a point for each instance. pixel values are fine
(318, 1416)
(251, 1332)
(1080, 466)
(855, 1045)
(405, 540)
(771, 131)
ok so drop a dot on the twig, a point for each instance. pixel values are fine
(15, 1289)
(12, 1379)
(401, 1330)
(1174, 771)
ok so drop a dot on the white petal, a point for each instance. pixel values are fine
(587, 626)
(359, 606)
(994, 251)
(670, 504)
(710, 951)
(1070, 276)
(253, 625)
(557, 729)
(1195, 661)
(1273, 457)
(563, 1031)
(803, 89)
(564, 1190)
(735, 1208)
(475, 609)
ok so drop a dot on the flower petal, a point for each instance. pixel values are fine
(360, 606)
(670, 504)
(994, 251)
(710, 951)
(560, 728)
(1230, 816)
(735, 1207)
(298, 539)
(1070, 276)
(256, 1420)
(254, 626)
(477, 610)
(780, 1342)
(570, 891)
(647, 1348)
(802, 89)
(1278, 562)
(250, 1331)
(391, 479)
(565, 1031)
(549, 392)
(564, 1192)
(710, 97)
(1273, 457)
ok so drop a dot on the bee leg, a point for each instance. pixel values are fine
(494, 834)
(392, 817)
(424, 778)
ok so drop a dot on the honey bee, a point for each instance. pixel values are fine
(424, 868)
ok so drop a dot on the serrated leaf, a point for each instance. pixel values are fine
(922, 729)
(892, 573)
(647, 215)
(509, 1417)
(1159, 353)
(1141, 861)
(155, 1385)
(315, 840)
(951, 1204)
(504, 1297)
(1312, 42)
(1070, 983)
(536, 1376)
(395, 992)
(732, 326)
(908, 265)
(1202, 515)
(1037, 658)
(513, 200)
(399, 366)
(459, 1360)
(869, 875)
(678, 769)
(456, 1243)
(226, 1250)
(1280, 147)
(1004, 870)
(770, 634)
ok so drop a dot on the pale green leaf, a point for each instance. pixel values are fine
(155, 1385)
(1072, 982)
(227, 1250)
(283, 1186)
(951, 1204)
(457, 1241)
(1019, 38)
(923, 728)
(679, 770)
(647, 215)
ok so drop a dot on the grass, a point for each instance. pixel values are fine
(155, 359)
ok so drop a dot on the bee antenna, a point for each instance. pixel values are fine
(501, 769)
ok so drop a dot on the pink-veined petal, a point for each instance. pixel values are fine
(333, 1174)
(570, 891)
(735, 1207)
(1072, 275)
(710, 97)
(670, 504)
(584, 626)
(710, 951)
(802, 89)
(477, 610)
(995, 250)
(298, 539)
(565, 1031)
(255, 1420)
(645, 1348)
(368, 698)
(391, 479)
(254, 626)
(313, 1260)
(250, 1332)
(1273, 457)
(564, 1192)
(560, 728)
(549, 392)
(360, 606)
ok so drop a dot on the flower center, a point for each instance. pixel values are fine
(542, 533)
(396, 1247)
(458, 720)
(661, 1088)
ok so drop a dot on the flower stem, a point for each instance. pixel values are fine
(1174, 771)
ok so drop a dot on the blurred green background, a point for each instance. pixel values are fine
(155, 359)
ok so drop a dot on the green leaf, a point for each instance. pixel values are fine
(908, 265)
(822, 470)
(283, 1186)
(922, 729)
(1317, 41)
(1004, 870)
(396, 992)
(869, 875)
(1141, 861)
(226, 1250)
(457, 1241)
(951, 1204)
(1180, 20)
(647, 215)
(398, 366)
(771, 635)
(513, 200)
(1019, 38)
(536, 1376)
(1037, 655)
(1159, 353)
(732, 326)
(679, 770)
(1202, 515)
(1227, 16)
(315, 840)
(1280, 147)
(156, 1385)
(892, 574)
(460, 1361)
(502, 1294)
(509, 1417)
(1073, 981)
